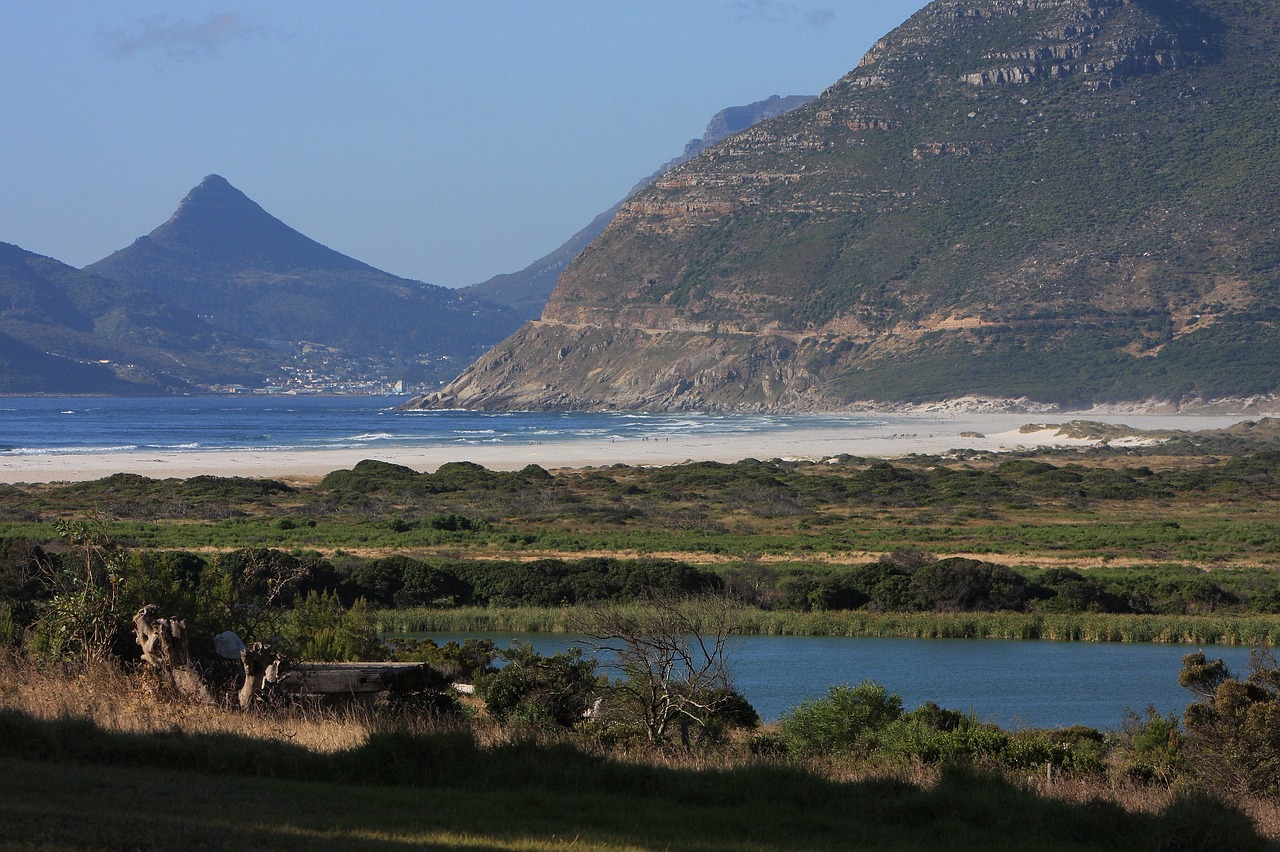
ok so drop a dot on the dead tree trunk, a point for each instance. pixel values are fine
(261, 665)
(166, 652)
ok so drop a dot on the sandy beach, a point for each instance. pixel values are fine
(899, 436)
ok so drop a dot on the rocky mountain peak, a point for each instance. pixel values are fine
(220, 224)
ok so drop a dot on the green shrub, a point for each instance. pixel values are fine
(533, 688)
(848, 718)
(1151, 747)
(1233, 733)
(319, 628)
(457, 662)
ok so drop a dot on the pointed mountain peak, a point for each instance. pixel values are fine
(215, 198)
(219, 223)
(215, 181)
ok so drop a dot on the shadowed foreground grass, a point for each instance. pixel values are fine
(66, 784)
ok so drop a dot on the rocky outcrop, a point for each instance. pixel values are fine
(1040, 199)
(527, 291)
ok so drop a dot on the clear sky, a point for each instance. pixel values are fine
(441, 140)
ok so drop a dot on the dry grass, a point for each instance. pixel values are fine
(118, 701)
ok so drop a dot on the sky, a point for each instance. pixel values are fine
(441, 140)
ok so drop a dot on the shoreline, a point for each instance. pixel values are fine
(899, 435)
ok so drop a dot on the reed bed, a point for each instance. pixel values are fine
(1252, 630)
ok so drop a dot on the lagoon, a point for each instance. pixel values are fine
(1014, 684)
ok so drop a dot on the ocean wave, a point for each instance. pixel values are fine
(68, 451)
(375, 436)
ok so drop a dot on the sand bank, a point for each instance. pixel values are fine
(897, 436)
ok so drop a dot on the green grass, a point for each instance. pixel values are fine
(64, 785)
(1191, 539)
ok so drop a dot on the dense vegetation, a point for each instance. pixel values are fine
(1187, 528)
(1171, 542)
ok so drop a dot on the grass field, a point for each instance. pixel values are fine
(441, 792)
(93, 761)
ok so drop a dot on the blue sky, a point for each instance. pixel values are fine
(442, 140)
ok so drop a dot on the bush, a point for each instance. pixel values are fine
(533, 688)
(1151, 747)
(465, 662)
(968, 585)
(1233, 734)
(321, 629)
(848, 718)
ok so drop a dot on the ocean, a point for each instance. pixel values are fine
(71, 425)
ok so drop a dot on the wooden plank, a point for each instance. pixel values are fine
(350, 678)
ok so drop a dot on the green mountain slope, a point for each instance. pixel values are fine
(1072, 201)
(529, 289)
(224, 258)
(75, 332)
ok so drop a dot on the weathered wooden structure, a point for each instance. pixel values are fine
(347, 682)
(166, 654)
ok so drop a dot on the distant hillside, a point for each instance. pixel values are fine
(68, 331)
(24, 369)
(1069, 201)
(222, 257)
(528, 290)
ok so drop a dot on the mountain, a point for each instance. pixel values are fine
(528, 290)
(1069, 201)
(222, 257)
(25, 369)
(68, 331)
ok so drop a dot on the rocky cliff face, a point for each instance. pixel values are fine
(1072, 201)
(527, 291)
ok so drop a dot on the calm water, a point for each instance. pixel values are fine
(45, 425)
(1011, 683)
(1014, 684)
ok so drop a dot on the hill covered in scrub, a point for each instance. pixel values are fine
(528, 290)
(1065, 201)
(63, 330)
(223, 257)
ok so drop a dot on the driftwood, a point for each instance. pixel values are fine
(262, 665)
(165, 651)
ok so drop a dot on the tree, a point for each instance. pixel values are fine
(672, 656)
(251, 591)
(1233, 735)
(320, 628)
(84, 585)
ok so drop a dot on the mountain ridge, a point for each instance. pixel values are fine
(528, 290)
(222, 257)
(1068, 201)
(81, 333)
